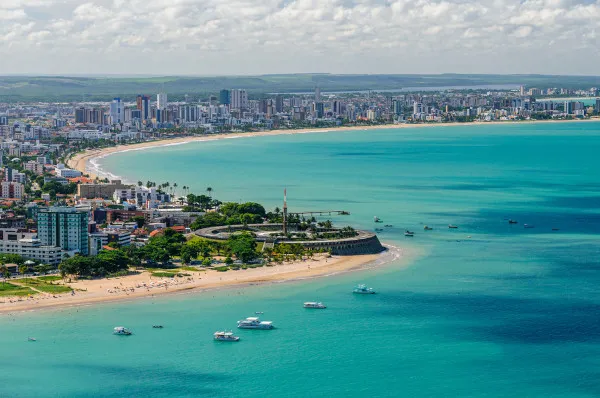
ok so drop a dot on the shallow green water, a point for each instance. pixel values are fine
(507, 312)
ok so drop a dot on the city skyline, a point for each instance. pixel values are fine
(189, 37)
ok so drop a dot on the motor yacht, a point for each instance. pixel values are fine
(225, 336)
(315, 305)
(120, 330)
(363, 289)
(254, 323)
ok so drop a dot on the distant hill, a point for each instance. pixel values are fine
(68, 88)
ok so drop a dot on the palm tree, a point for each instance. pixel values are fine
(209, 190)
(23, 270)
(175, 188)
(4, 271)
(140, 183)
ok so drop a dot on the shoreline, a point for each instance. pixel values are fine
(144, 286)
(81, 161)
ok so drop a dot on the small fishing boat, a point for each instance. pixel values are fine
(513, 222)
(555, 229)
(378, 229)
(121, 331)
(31, 339)
(157, 326)
(529, 226)
(409, 233)
(376, 219)
(426, 228)
(225, 336)
(259, 312)
(452, 226)
(388, 225)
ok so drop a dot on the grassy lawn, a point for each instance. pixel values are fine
(163, 274)
(44, 286)
(8, 289)
(50, 278)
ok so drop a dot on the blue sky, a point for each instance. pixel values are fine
(213, 37)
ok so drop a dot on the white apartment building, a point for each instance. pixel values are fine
(239, 99)
(27, 245)
(68, 173)
(19, 177)
(143, 197)
(12, 190)
(35, 167)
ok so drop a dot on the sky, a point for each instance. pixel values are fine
(245, 37)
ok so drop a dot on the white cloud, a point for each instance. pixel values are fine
(282, 36)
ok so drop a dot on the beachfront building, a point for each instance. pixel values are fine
(147, 198)
(104, 191)
(97, 241)
(27, 245)
(66, 227)
(64, 172)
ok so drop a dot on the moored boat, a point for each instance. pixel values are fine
(513, 222)
(254, 323)
(409, 233)
(31, 339)
(529, 226)
(426, 228)
(363, 289)
(225, 336)
(315, 305)
(121, 331)
(376, 219)
(452, 226)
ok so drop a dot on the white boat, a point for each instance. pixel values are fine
(409, 233)
(254, 323)
(31, 339)
(376, 219)
(225, 336)
(314, 304)
(363, 289)
(120, 330)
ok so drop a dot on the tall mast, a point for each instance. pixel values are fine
(285, 211)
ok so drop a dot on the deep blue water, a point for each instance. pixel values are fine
(487, 310)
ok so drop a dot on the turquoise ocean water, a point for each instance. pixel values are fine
(487, 310)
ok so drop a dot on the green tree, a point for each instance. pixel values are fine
(5, 272)
(243, 246)
(209, 190)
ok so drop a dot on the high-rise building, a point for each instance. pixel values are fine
(417, 108)
(239, 99)
(317, 94)
(225, 97)
(161, 101)
(117, 111)
(319, 110)
(145, 102)
(569, 107)
(12, 190)
(3, 120)
(397, 107)
(597, 107)
(65, 227)
(262, 106)
(279, 104)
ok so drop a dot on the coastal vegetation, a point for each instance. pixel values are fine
(64, 88)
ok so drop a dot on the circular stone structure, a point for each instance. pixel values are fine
(363, 243)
